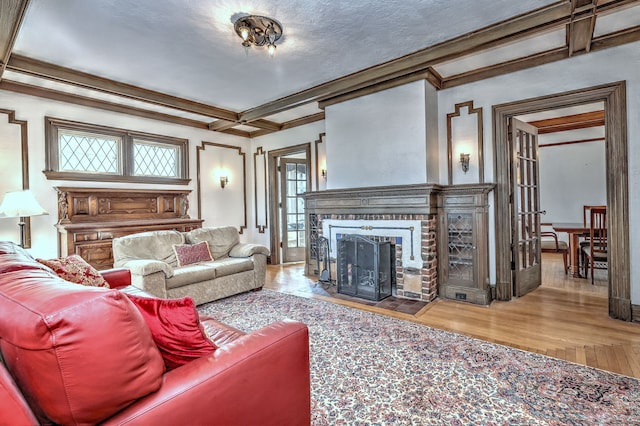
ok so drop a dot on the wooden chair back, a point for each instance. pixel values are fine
(586, 213)
(598, 230)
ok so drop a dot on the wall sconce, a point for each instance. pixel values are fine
(224, 181)
(323, 172)
(464, 162)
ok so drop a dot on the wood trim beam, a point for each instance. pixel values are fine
(71, 98)
(543, 145)
(237, 132)
(569, 122)
(53, 72)
(11, 17)
(523, 25)
(290, 124)
(367, 90)
(219, 125)
(506, 67)
(581, 25)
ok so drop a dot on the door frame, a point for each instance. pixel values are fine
(273, 159)
(614, 97)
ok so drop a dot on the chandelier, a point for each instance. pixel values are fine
(258, 31)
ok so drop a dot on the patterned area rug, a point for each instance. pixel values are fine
(371, 369)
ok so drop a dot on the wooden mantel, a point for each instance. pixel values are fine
(403, 199)
(89, 218)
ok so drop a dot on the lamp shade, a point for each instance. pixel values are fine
(20, 204)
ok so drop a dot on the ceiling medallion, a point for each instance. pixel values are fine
(258, 31)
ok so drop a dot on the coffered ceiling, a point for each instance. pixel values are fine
(181, 61)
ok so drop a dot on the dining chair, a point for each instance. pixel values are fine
(595, 255)
(554, 245)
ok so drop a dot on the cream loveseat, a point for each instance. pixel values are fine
(150, 256)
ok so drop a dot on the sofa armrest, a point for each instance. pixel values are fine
(147, 267)
(117, 277)
(260, 378)
(247, 250)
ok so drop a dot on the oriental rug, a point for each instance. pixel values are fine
(369, 369)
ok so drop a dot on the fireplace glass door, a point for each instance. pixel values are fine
(364, 267)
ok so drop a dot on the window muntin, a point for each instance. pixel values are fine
(89, 153)
(81, 151)
(155, 159)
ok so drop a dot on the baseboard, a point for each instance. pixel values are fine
(635, 313)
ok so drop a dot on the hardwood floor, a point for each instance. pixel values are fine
(565, 318)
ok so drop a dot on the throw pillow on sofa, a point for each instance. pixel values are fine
(192, 253)
(75, 269)
(175, 328)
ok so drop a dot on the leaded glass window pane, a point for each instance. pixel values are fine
(89, 152)
(155, 159)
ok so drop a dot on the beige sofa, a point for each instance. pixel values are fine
(237, 267)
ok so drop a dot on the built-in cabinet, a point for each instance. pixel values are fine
(463, 247)
(90, 218)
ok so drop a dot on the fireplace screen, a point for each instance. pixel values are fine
(365, 267)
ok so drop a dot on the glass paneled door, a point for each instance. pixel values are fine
(525, 208)
(294, 182)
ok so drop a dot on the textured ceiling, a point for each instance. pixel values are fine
(188, 48)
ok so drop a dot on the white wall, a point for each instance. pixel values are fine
(33, 110)
(596, 68)
(571, 175)
(378, 139)
(295, 136)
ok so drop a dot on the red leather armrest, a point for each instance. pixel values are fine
(117, 277)
(260, 378)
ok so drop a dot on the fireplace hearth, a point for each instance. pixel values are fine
(365, 267)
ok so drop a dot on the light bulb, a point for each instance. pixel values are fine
(244, 33)
(272, 49)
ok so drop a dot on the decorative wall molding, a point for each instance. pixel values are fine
(201, 149)
(24, 148)
(260, 187)
(317, 151)
(479, 138)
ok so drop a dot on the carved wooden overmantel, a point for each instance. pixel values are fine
(89, 218)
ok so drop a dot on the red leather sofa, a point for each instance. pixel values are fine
(83, 355)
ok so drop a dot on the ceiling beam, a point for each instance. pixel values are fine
(570, 122)
(628, 35)
(11, 16)
(581, 25)
(290, 124)
(557, 14)
(367, 90)
(53, 72)
(72, 98)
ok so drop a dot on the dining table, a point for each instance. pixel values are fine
(575, 230)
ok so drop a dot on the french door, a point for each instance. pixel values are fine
(293, 178)
(525, 210)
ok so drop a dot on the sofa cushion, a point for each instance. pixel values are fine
(219, 333)
(221, 239)
(75, 269)
(13, 408)
(186, 254)
(191, 274)
(79, 354)
(155, 245)
(176, 329)
(230, 266)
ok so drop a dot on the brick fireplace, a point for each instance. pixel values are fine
(406, 215)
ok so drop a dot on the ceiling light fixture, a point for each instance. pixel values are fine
(258, 31)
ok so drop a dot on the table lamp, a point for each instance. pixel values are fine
(20, 204)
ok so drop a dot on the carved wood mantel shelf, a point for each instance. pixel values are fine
(89, 218)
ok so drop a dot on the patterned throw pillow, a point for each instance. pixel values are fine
(74, 269)
(192, 253)
(175, 328)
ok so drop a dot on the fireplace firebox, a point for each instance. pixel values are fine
(365, 267)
